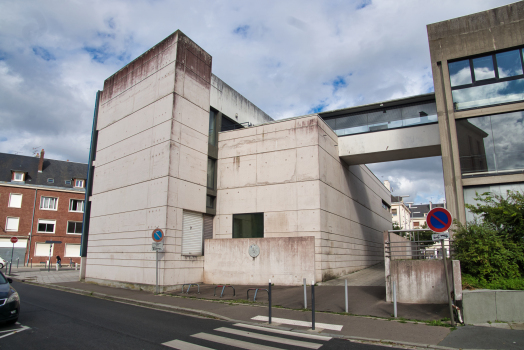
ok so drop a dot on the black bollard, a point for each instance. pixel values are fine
(313, 305)
(269, 297)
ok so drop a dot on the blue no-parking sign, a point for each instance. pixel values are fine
(439, 219)
(158, 235)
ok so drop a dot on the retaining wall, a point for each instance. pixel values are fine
(481, 306)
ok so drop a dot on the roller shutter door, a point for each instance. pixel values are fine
(193, 225)
(42, 249)
(208, 229)
(72, 250)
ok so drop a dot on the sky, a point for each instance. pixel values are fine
(290, 58)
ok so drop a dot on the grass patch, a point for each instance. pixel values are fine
(471, 282)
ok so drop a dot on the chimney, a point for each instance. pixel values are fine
(41, 163)
(430, 205)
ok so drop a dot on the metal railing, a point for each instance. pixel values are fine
(412, 250)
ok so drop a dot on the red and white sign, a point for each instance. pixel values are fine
(439, 219)
(14, 240)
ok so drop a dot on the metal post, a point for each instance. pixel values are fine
(305, 294)
(156, 286)
(31, 262)
(269, 297)
(17, 262)
(346, 292)
(12, 252)
(444, 258)
(313, 305)
(394, 299)
(50, 249)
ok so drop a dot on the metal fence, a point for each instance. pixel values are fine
(408, 248)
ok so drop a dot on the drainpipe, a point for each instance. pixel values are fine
(31, 232)
(89, 191)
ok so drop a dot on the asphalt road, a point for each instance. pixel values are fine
(51, 319)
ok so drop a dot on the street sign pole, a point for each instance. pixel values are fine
(12, 252)
(156, 287)
(157, 246)
(444, 258)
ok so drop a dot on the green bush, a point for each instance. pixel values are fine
(486, 253)
(470, 282)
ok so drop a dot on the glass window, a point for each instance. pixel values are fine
(210, 201)
(483, 68)
(48, 203)
(486, 95)
(419, 114)
(509, 64)
(76, 205)
(212, 128)
(459, 73)
(248, 225)
(74, 227)
(394, 212)
(46, 226)
(211, 169)
(471, 192)
(11, 224)
(491, 144)
(18, 176)
(15, 200)
(79, 183)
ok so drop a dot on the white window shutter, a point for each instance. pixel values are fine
(193, 224)
(72, 250)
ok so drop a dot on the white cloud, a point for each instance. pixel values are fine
(288, 57)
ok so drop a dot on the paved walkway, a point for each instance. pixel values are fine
(41, 275)
(373, 276)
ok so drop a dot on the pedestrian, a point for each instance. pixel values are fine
(59, 261)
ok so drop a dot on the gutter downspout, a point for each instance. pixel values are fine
(89, 191)
(31, 232)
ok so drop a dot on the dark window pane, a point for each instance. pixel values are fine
(508, 140)
(486, 95)
(42, 227)
(459, 73)
(211, 165)
(74, 227)
(483, 68)
(248, 225)
(419, 114)
(212, 128)
(352, 124)
(475, 140)
(229, 124)
(210, 201)
(331, 123)
(509, 64)
(383, 120)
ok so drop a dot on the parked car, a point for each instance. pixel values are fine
(2, 263)
(9, 300)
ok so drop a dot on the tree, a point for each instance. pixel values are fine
(506, 214)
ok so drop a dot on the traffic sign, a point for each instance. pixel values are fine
(158, 235)
(440, 236)
(157, 246)
(439, 219)
(14, 240)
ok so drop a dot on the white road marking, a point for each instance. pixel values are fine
(14, 331)
(333, 327)
(269, 338)
(279, 331)
(233, 342)
(182, 345)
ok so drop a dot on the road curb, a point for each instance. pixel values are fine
(207, 314)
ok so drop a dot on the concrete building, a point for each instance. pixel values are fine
(244, 199)
(400, 213)
(40, 200)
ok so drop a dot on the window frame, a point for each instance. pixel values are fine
(56, 203)
(490, 81)
(233, 225)
(74, 233)
(48, 222)
(16, 194)
(76, 211)
(18, 173)
(6, 223)
(81, 183)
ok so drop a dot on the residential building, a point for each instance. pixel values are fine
(41, 200)
(419, 212)
(400, 213)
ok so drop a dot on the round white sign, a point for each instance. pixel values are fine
(254, 250)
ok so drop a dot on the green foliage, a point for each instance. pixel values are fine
(470, 282)
(487, 253)
(506, 214)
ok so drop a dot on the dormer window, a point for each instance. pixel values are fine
(18, 176)
(79, 183)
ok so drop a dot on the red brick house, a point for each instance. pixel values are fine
(41, 200)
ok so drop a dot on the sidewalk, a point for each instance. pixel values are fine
(399, 333)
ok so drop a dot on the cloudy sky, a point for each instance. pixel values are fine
(288, 57)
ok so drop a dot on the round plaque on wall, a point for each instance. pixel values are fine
(254, 250)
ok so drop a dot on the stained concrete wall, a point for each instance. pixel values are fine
(228, 101)
(482, 306)
(290, 171)
(151, 164)
(286, 261)
(388, 145)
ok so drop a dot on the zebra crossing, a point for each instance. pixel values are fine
(248, 336)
